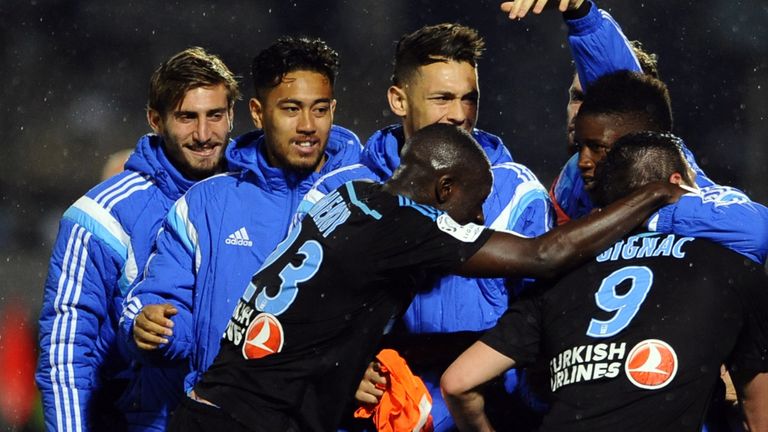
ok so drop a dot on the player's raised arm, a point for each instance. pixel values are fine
(507, 255)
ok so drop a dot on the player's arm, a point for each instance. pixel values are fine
(157, 313)
(720, 214)
(506, 255)
(460, 382)
(82, 278)
(597, 43)
(753, 396)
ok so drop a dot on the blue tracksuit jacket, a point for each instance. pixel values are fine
(104, 238)
(215, 238)
(721, 214)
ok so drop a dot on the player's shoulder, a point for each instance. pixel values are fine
(334, 179)
(723, 258)
(512, 181)
(117, 208)
(723, 195)
(513, 171)
(127, 186)
(703, 255)
(118, 201)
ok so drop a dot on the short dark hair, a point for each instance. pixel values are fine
(187, 70)
(649, 62)
(435, 43)
(635, 160)
(290, 54)
(630, 94)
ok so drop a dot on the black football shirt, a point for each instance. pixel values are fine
(634, 339)
(306, 327)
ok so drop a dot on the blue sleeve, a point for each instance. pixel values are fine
(598, 46)
(721, 214)
(169, 277)
(82, 280)
(518, 202)
(525, 206)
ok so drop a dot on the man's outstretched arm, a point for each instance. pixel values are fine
(505, 255)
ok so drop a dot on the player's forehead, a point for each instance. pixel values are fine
(446, 76)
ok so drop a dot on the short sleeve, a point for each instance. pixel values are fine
(419, 236)
(517, 335)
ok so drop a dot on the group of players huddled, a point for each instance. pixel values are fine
(248, 284)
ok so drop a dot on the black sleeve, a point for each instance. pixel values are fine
(517, 334)
(750, 354)
(422, 237)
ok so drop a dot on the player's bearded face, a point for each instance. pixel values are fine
(296, 116)
(195, 134)
(442, 92)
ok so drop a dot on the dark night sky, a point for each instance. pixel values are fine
(76, 73)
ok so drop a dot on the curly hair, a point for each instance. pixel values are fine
(649, 62)
(290, 54)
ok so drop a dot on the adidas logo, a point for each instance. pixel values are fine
(239, 238)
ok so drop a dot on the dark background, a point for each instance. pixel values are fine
(75, 76)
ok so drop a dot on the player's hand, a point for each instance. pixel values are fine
(519, 8)
(372, 386)
(152, 325)
(731, 397)
(667, 192)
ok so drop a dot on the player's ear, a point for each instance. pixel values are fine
(155, 121)
(676, 178)
(444, 188)
(257, 113)
(398, 101)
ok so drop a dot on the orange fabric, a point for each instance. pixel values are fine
(406, 403)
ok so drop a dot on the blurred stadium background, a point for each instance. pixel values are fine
(75, 77)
